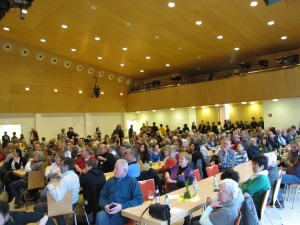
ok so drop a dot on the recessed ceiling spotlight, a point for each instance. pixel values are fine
(198, 68)
(97, 38)
(42, 40)
(171, 4)
(148, 57)
(217, 105)
(156, 37)
(236, 49)
(198, 22)
(93, 7)
(124, 49)
(102, 92)
(154, 110)
(226, 105)
(128, 23)
(73, 49)
(142, 71)
(275, 100)
(55, 90)
(251, 103)
(24, 11)
(99, 57)
(172, 109)
(220, 37)
(193, 107)
(121, 94)
(6, 28)
(64, 26)
(270, 23)
(179, 48)
(283, 37)
(27, 89)
(80, 91)
(253, 3)
(137, 112)
(167, 65)
(203, 107)
(244, 103)
(122, 64)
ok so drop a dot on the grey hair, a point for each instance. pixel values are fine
(272, 158)
(231, 186)
(123, 163)
(172, 151)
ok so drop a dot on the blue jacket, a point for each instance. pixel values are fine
(125, 191)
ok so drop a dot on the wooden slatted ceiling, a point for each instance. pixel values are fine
(240, 24)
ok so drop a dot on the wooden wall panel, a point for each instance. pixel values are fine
(252, 87)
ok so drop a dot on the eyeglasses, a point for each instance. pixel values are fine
(220, 191)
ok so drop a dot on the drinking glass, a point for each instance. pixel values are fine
(151, 195)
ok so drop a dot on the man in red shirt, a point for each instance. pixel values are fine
(81, 160)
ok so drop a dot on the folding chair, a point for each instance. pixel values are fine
(197, 175)
(62, 207)
(146, 186)
(238, 219)
(275, 199)
(288, 188)
(264, 205)
(36, 180)
(212, 170)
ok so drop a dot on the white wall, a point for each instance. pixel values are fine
(49, 124)
(285, 113)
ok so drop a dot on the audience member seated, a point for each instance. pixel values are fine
(272, 140)
(264, 146)
(69, 181)
(92, 180)
(212, 142)
(281, 140)
(53, 171)
(155, 155)
(119, 192)
(106, 160)
(224, 211)
(226, 155)
(178, 174)
(204, 151)
(252, 150)
(80, 162)
(21, 217)
(273, 177)
(292, 175)
(241, 155)
(259, 183)
(144, 154)
(134, 169)
(236, 140)
(170, 159)
(34, 164)
(292, 155)
(122, 152)
(196, 154)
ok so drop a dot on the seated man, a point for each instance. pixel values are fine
(292, 176)
(226, 155)
(69, 181)
(119, 192)
(134, 169)
(34, 164)
(224, 211)
(92, 181)
(80, 162)
(252, 150)
(106, 160)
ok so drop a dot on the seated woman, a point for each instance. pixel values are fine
(259, 183)
(170, 159)
(144, 153)
(178, 174)
(264, 146)
(241, 155)
(15, 163)
(155, 154)
(212, 143)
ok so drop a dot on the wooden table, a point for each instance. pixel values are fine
(205, 190)
(19, 173)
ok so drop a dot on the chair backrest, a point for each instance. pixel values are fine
(146, 186)
(264, 204)
(276, 190)
(280, 171)
(212, 170)
(36, 179)
(61, 207)
(197, 174)
(238, 219)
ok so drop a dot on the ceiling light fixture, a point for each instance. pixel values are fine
(244, 103)
(80, 91)
(64, 26)
(154, 110)
(270, 23)
(251, 103)
(93, 7)
(283, 37)
(102, 93)
(137, 112)
(203, 107)
(55, 90)
(99, 57)
(167, 65)
(217, 105)
(193, 107)
(122, 64)
(125, 49)
(6, 28)
(172, 109)
(198, 22)
(220, 37)
(171, 4)
(236, 49)
(148, 57)
(73, 49)
(97, 38)
(142, 71)
(42, 40)
(121, 94)
(27, 89)
(275, 100)
(253, 3)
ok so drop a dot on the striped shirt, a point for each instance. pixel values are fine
(241, 157)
